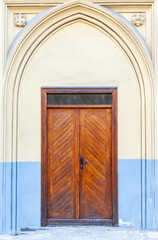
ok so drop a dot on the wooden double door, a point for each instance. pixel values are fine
(78, 182)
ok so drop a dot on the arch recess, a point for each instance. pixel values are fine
(48, 22)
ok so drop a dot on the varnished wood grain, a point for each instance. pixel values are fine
(43, 157)
(61, 167)
(96, 141)
(79, 90)
(114, 158)
(77, 151)
(107, 222)
(95, 177)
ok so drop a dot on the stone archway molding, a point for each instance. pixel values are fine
(28, 41)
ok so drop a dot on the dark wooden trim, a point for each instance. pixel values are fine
(44, 106)
(77, 169)
(107, 222)
(78, 90)
(79, 106)
(43, 157)
(114, 159)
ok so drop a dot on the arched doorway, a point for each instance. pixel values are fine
(79, 44)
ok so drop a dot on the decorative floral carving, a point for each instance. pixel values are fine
(138, 19)
(20, 20)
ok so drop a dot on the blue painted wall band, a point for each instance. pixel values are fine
(24, 179)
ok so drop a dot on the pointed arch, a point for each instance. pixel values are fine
(48, 22)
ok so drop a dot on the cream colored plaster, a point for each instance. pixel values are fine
(146, 29)
(64, 1)
(127, 65)
(78, 55)
(126, 10)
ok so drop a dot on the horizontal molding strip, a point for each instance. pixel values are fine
(49, 2)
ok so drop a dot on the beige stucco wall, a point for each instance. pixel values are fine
(127, 9)
(79, 55)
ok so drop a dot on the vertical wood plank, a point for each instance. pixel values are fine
(114, 158)
(96, 180)
(43, 157)
(77, 161)
(82, 207)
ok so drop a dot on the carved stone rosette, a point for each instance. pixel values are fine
(138, 19)
(20, 20)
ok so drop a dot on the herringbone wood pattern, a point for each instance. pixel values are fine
(60, 186)
(95, 178)
(65, 182)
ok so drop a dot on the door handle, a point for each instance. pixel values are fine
(81, 162)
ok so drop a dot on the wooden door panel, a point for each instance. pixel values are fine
(68, 194)
(61, 180)
(96, 175)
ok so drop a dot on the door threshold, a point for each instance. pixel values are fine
(66, 222)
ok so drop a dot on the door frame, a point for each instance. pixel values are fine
(44, 106)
